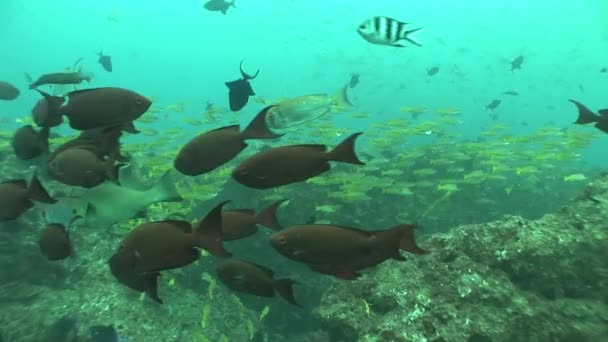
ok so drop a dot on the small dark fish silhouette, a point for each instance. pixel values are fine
(240, 90)
(8, 91)
(354, 80)
(604, 70)
(432, 71)
(517, 62)
(219, 5)
(105, 61)
(511, 92)
(493, 105)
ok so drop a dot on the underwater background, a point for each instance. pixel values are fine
(510, 199)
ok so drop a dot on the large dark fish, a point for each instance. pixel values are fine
(213, 149)
(122, 265)
(103, 142)
(8, 91)
(81, 167)
(290, 164)
(219, 5)
(103, 107)
(321, 244)
(169, 244)
(16, 197)
(254, 279)
(240, 90)
(47, 111)
(105, 61)
(55, 242)
(76, 77)
(517, 62)
(241, 223)
(28, 144)
(586, 116)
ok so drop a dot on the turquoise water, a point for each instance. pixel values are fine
(177, 52)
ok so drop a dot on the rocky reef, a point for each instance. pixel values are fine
(508, 280)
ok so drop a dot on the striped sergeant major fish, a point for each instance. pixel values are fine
(386, 31)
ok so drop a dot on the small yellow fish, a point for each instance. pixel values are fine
(575, 177)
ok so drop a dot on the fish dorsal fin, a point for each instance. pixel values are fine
(316, 147)
(81, 91)
(232, 84)
(356, 230)
(235, 128)
(603, 112)
(184, 226)
(243, 211)
(265, 269)
(18, 182)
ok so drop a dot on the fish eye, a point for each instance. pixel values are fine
(362, 27)
(139, 101)
(281, 240)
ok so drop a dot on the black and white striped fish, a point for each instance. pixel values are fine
(386, 31)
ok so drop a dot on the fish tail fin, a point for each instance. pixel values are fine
(345, 151)
(36, 192)
(585, 115)
(268, 216)
(28, 78)
(406, 36)
(208, 232)
(165, 190)
(257, 128)
(285, 288)
(340, 98)
(407, 241)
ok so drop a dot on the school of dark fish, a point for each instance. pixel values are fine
(93, 158)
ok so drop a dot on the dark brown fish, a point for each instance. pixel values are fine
(55, 242)
(105, 61)
(254, 279)
(321, 244)
(122, 265)
(103, 142)
(104, 107)
(81, 167)
(47, 111)
(213, 149)
(517, 62)
(240, 90)
(8, 91)
(586, 116)
(76, 77)
(348, 270)
(432, 71)
(169, 244)
(493, 105)
(28, 144)
(16, 197)
(241, 223)
(290, 164)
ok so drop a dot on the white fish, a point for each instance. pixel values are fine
(386, 31)
(109, 203)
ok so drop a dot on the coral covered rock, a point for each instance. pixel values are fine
(509, 280)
